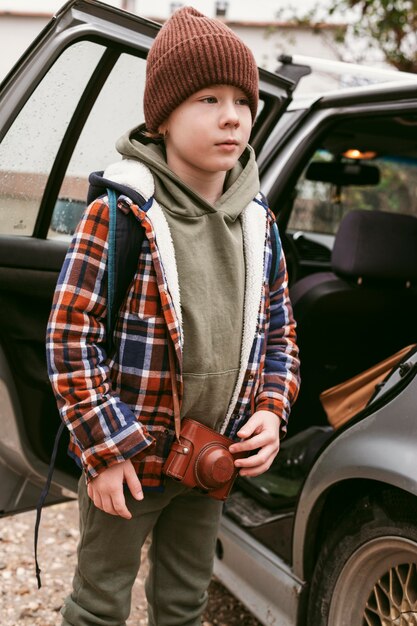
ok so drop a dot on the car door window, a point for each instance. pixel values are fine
(28, 150)
(319, 206)
(314, 207)
(117, 109)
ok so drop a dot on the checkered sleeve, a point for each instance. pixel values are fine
(280, 379)
(103, 427)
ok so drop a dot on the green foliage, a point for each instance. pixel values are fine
(392, 24)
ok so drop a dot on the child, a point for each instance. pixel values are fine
(202, 282)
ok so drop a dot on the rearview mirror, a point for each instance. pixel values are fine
(343, 174)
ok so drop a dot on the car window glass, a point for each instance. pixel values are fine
(28, 150)
(117, 109)
(320, 206)
(395, 192)
(313, 209)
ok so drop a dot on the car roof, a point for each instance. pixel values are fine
(351, 81)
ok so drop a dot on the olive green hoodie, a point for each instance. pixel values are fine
(208, 248)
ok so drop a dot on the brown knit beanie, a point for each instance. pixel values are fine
(190, 52)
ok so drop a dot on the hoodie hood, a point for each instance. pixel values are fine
(241, 184)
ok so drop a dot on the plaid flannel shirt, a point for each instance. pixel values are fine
(119, 406)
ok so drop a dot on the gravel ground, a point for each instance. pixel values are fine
(21, 604)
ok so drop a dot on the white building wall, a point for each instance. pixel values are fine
(237, 9)
(16, 33)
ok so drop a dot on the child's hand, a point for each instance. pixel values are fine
(106, 490)
(261, 432)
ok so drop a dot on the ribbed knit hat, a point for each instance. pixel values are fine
(190, 52)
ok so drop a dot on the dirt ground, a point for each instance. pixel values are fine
(21, 604)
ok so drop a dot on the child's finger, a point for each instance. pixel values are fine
(250, 444)
(107, 505)
(133, 482)
(96, 498)
(265, 455)
(250, 427)
(258, 464)
(254, 471)
(119, 505)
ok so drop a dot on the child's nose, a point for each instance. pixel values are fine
(230, 116)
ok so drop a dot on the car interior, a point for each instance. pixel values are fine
(345, 309)
(351, 244)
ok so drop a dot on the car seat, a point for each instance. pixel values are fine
(361, 312)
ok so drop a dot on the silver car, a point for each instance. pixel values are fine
(329, 535)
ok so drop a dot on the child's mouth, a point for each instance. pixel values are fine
(228, 145)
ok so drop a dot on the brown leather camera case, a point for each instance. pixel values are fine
(201, 459)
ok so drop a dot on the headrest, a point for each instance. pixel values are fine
(376, 245)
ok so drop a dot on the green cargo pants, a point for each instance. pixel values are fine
(184, 528)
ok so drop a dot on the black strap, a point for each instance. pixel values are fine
(275, 242)
(123, 259)
(42, 499)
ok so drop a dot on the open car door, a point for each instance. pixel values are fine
(62, 107)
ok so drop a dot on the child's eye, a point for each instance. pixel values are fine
(242, 101)
(209, 99)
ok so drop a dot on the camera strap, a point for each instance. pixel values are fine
(175, 398)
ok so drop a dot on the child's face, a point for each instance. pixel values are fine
(208, 132)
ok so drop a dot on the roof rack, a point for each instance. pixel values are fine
(297, 61)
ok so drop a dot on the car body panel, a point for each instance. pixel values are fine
(22, 474)
(243, 562)
(369, 449)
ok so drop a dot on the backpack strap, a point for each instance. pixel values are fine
(275, 242)
(126, 236)
(111, 260)
(276, 253)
